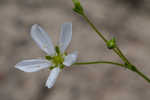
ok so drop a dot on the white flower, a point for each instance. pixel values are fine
(57, 57)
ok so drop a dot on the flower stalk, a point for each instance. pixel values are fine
(111, 44)
(99, 62)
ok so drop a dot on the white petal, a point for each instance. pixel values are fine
(33, 65)
(70, 59)
(42, 39)
(65, 36)
(52, 77)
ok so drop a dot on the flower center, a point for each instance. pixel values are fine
(57, 60)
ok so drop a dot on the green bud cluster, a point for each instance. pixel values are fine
(78, 8)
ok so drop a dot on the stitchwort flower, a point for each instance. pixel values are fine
(56, 58)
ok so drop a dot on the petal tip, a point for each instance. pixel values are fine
(52, 77)
(70, 59)
(35, 25)
(48, 86)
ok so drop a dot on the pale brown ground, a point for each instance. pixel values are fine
(127, 20)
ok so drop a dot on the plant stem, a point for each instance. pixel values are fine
(116, 50)
(99, 62)
(122, 55)
(142, 75)
(93, 26)
(115, 63)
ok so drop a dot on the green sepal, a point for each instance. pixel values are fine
(62, 66)
(48, 57)
(77, 7)
(111, 43)
(65, 53)
(51, 67)
(57, 50)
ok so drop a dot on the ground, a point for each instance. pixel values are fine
(127, 20)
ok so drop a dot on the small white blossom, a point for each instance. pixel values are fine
(57, 57)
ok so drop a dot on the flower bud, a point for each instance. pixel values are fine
(77, 7)
(111, 43)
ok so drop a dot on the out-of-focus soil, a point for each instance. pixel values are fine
(127, 20)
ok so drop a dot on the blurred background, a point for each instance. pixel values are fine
(127, 20)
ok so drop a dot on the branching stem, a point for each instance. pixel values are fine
(117, 50)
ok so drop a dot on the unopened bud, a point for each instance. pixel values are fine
(77, 7)
(111, 43)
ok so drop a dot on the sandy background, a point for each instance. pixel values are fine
(127, 20)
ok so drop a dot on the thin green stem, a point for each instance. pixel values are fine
(115, 63)
(116, 50)
(142, 75)
(122, 55)
(99, 62)
(93, 26)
